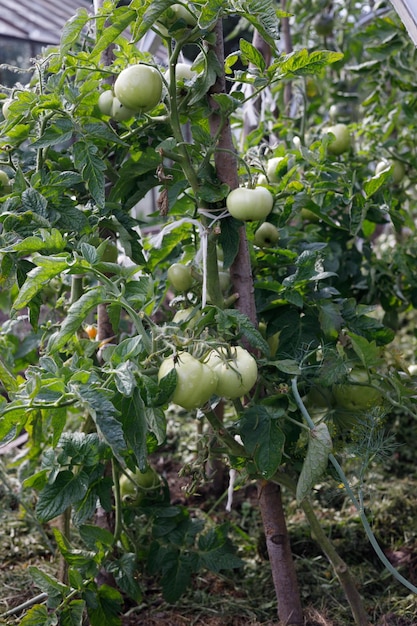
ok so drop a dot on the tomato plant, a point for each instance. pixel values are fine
(320, 273)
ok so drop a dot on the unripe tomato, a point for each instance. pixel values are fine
(342, 139)
(183, 72)
(5, 108)
(250, 204)
(119, 112)
(236, 371)
(356, 394)
(134, 485)
(397, 172)
(271, 169)
(105, 102)
(139, 87)
(5, 186)
(180, 277)
(266, 236)
(324, 25)
(188, 315)
(196, 382)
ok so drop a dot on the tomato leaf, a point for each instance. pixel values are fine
(38, 615)
(315, 463)
(77, 313)
(263, 438)
(66, 489)
(104, 609)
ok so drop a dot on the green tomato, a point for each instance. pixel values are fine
(309, 216)
(139, 87)
(236, 371)
(105, 102)
(324, 25)
(119, 112)
(341, 141)
(134, 485)
(196, 382)
(397, 172)
(250, 204)
(271, 169)
(5, 108)
(356, 394)
(5, 186)
(224, 280)
(183, 72)
(266, 236)
(180, 276)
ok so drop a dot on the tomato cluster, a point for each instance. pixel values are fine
(227, 372)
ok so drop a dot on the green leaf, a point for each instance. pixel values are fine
(229, 240)
(315, 464)
(246, 328)
(91, 167)
(82, 559)
(38, 615)
(7, 378)
(106, 608)
(177, 575)
(216, 551)
(95, 537)
(262, 438)
(125, 574)
(77, 313)
(121, 18)
(367, 351)
(135, 427)
(149, 16)
(35, 202)
(104, 414)
(47, 241)
(302, 62)
(47, 584)
(72, 614)
(67, 489)
(262, 15)
(372, 185)
(72, 30)
(250, 54)
(38, 277)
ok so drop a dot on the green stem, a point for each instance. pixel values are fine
(117, 500)
(234, 447)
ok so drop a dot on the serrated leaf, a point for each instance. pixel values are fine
(262, 15)
(124, 571)
(229, 239)
(246, 328)
(62, 493)
(77, 313)
(72, 29)
(7, 378)
(95, 537)
(38, 277)
(372, 185)
(177, 575)
(72, 614)
(135, 427)
(302, 62)
(37, 616)
(107, 607)
(33, 201)
(252, 54)
(91, 167)
(315, 464)
(216, 551)
(151, 11)
(46, 583)
(262, 438)
(104, 415)
(122, 18)
(48, 241)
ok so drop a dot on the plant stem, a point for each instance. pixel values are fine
(290, 611)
